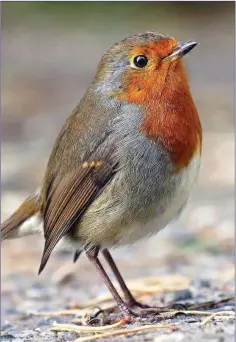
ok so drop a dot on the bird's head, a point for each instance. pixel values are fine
(141, 66)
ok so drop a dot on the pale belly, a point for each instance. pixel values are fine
(154, 221)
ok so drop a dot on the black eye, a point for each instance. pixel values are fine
(140, 61)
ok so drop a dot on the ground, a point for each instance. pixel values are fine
(31, 305)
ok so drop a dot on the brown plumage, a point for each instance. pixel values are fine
(68, 199)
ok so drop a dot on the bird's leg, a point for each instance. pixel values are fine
(130, 300)
(92, 255)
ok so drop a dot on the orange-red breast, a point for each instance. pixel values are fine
(129, 153)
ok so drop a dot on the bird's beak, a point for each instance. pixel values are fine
(181, 50)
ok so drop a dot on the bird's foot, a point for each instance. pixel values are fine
(133, 304)
(127, 317)
(134, 311)
(153, 314)
(137, 312)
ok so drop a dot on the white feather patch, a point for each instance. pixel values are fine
(32, 225)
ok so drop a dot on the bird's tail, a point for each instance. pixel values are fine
(25, 220)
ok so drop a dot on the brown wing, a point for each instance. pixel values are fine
(69, 198)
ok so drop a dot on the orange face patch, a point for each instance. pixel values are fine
(142, 84)
(162, 90)
(154, 51)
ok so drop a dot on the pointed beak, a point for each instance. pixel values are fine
(181, 50)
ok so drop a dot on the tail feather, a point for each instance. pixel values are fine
(29, 208)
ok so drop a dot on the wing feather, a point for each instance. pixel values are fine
(68, 199)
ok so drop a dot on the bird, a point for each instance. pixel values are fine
(128, 154)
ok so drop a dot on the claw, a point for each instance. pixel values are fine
(77, 255)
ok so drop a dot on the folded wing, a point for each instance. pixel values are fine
(68, 199)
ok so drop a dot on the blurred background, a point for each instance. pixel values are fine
(49, 56)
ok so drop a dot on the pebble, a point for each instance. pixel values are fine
(7, 337)
(192, 320)
(199, 283)
(181, 295)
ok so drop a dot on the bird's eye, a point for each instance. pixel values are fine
(140, 61)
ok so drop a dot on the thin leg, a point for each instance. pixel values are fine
(131, 301)
(92, 254)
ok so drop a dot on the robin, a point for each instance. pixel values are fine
(128, 153)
